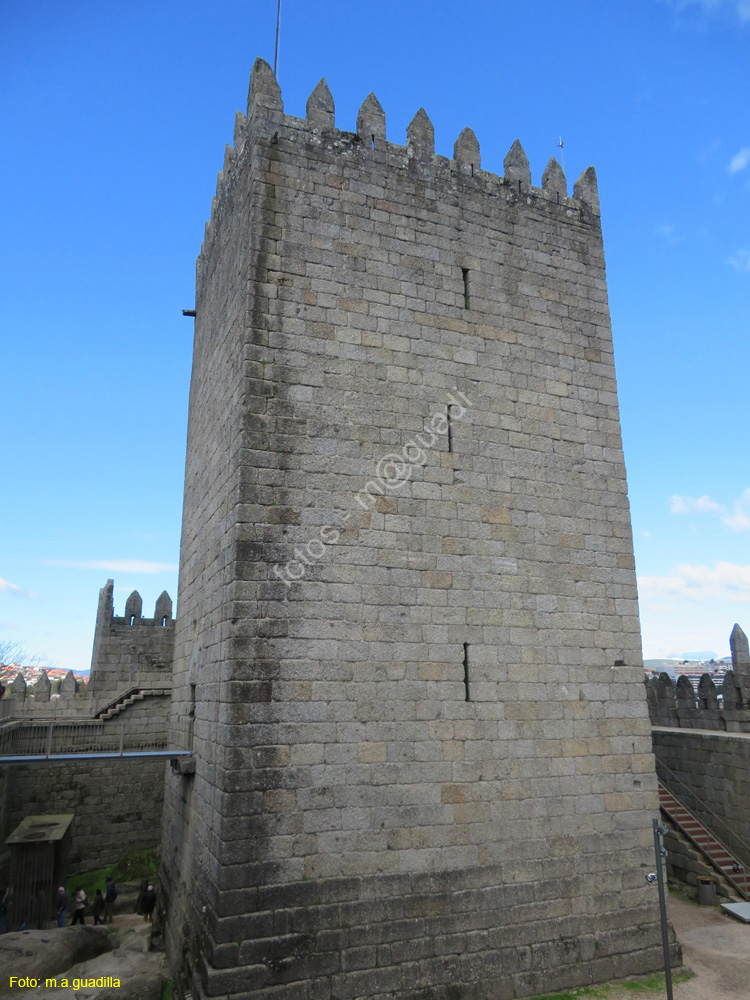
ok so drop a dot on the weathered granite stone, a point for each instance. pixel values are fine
(321, 111)
(408, 643)
(130, 651)
(42, 688)
(420, 137)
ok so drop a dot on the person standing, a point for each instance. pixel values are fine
(98, 907)
(62, 906)
(149, 902)
(80, 907)
(110, 895)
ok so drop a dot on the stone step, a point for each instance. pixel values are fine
(717, 855)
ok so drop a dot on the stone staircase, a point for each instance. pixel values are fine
(709, 846)
(127, 699)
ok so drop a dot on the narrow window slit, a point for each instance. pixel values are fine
(465, 273)
(472, 170)
(519, 187)
(466, 670)
(450, 429)
(164, 622)
(132, 619)
(373, 141)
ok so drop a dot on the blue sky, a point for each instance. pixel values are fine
(115, 117)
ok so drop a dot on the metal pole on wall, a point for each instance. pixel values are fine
(659, 851)
(276, 50)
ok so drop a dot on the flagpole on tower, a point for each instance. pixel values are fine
(276, 50)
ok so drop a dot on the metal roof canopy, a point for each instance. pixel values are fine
(104, 755)
(41, 829)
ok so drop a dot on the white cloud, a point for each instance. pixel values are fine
(739, 161)
(739, 519)
(114, 565)
(668, 233)
(688, 505)
(726, 582)
(740, 261)
(14, 589)
(739, 8)
(736, 519)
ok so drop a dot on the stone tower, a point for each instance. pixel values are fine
(130, 651)
(408, 644)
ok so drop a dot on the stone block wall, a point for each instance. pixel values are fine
(678, 705)
(117, 804)
(716, 769)
(130, 651)
(408, 642)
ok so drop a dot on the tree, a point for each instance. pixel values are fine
(15, 652)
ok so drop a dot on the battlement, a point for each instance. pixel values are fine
(676, 703)
(451, 177)
(134, 608)
(130, 649)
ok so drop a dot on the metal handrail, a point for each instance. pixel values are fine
(56, 739)
(707, 809)
(704, 848)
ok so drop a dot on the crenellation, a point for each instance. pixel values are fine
(163, 607)
(466, 152)
(240, 131)
(133, 607)
(264, 95)
(420, 138)
(553, 180)
(517, 170)
(42, 688)
(320, 110)
(586, 190)
(268, 121)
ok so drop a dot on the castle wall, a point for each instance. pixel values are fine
(117, 804)
(679, 705)
(409, 630)
(715, 768)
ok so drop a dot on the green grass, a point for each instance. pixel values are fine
(168, 990)
(131, 868)
(582, 991)
(650, 985)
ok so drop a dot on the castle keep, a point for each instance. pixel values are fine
(408, 644)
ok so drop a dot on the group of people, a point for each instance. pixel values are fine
(102, 909)
(36, 911)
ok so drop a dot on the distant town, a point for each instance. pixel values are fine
(31, 674)
(692, 669)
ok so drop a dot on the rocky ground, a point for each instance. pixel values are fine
(141, 972)
(716, 947)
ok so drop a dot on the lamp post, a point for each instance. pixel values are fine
(660, 853)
